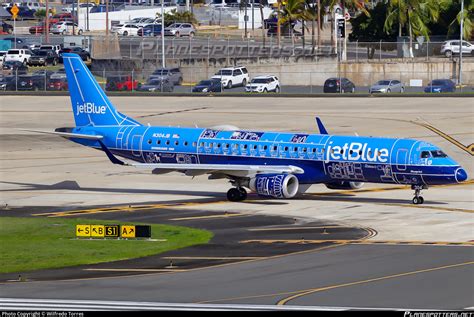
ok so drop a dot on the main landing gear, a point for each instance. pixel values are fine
(237, 194)
(418, 200)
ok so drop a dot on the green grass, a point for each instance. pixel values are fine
(28, 244)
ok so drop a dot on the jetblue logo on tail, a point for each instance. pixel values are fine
(90, 108)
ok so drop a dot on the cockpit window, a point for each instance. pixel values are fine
(438, 153)
(425, 154)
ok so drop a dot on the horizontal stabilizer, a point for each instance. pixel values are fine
(69, 135)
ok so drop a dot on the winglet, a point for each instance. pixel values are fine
(321, 127)
(109, 154)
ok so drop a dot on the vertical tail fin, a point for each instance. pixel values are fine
(90, 105)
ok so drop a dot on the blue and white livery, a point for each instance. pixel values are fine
(273, 164)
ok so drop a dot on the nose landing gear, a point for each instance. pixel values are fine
(418, 199)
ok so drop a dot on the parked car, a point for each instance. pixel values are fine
(157, 85)
(233, 76)
(60, 73)
(150, 30)
(38, 28)
(17, 42)
(24, 13)
(54, 48)
(180, 29)
(119, 82)
(125, 29)
(60, 17)
(7, 28)
(2, 57)
(34, 5)
(441, 85)
(338, 85)
(143, 22)
(173, 75)
(387, 86)
(449, 48)
(85, 55)
(66, 27)
(7, 82)
(43, 58)
(208, 85)
(21, 55)
(263, 84)
(29, 82)
(14, 67)
(57, 84)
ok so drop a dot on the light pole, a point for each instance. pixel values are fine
(460, 44)
(46, 27)
(163, 63)
(107, 18)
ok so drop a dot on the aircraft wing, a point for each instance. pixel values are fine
(223, 169)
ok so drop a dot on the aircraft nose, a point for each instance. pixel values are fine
(461, 175)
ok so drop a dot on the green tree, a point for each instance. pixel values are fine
(178, 17)
(366, 29)
(413, 15)
(293, 11)
(468, 19)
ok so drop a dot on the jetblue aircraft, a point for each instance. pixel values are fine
(272, 164)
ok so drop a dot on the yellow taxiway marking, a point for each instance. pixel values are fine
(321, 289)
(208, 217)
(129, 208)
(300, 293)
(384, 242)
(136, 270)
(296, 228)
(213, 258)
(469, 148)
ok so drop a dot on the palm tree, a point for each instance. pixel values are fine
(414, 15)
(468, 19)
(293, 11)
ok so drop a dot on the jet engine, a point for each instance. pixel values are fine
(275, 185)
(344, 185)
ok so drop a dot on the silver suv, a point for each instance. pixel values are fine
(173, 75)
(180, 29)
(452, 47)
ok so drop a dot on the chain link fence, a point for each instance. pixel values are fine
(185, 79)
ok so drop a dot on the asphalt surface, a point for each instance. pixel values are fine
(409, 277)
(231, 231)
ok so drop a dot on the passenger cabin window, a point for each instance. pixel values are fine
(425, 154)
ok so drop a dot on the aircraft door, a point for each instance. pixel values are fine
(402, 159)
(137, 145)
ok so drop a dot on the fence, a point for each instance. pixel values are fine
(297, 82)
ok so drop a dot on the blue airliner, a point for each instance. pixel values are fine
(272, 164)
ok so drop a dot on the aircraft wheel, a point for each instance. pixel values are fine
(233, 194)
(236, 194)
(418, 200)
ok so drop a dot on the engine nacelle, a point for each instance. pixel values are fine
(344, 185)
(275, 185)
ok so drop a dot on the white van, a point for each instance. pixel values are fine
(21, 55)
(33, 5)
